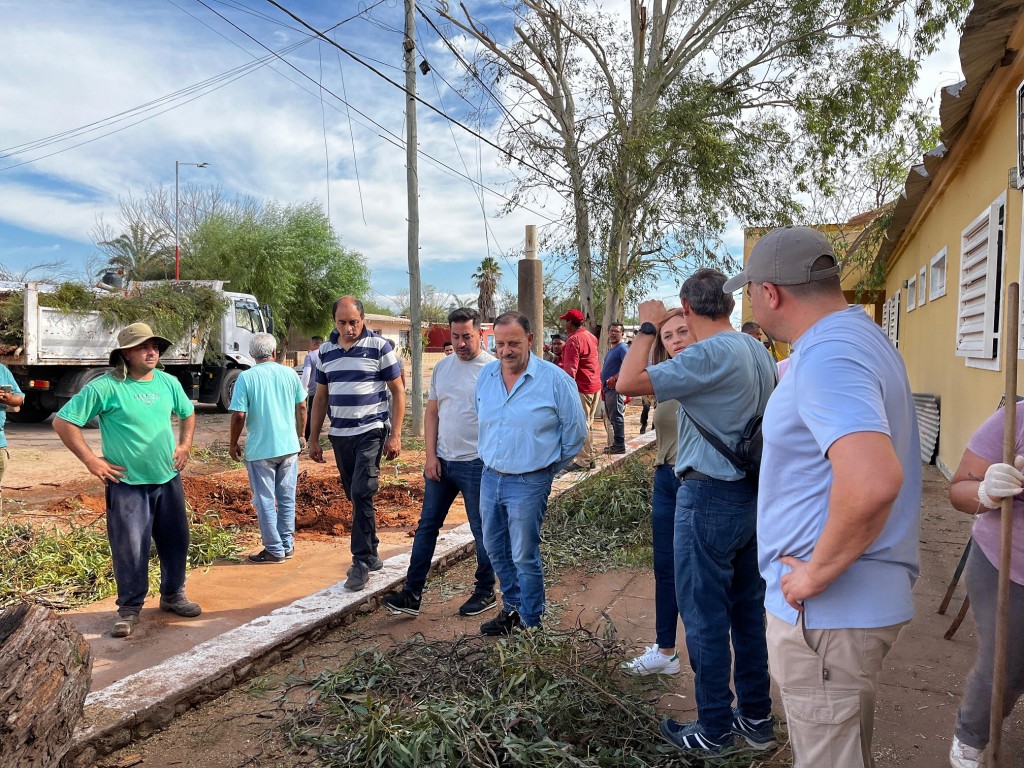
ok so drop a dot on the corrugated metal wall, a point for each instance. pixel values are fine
(927, 407)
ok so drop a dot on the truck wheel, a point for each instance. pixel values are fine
(29, 414)
(227, 389)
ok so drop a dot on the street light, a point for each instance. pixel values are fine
(177, 253)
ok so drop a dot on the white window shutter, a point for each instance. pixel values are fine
(975, 319)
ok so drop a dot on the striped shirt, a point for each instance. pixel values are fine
(357, 382)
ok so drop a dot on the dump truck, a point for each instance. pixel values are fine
(61, 351)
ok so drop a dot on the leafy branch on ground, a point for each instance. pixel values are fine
(604, 521)
(66, 568)
(549, 698)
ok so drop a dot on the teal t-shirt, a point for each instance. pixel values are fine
(267, 394)
(135, 423)
(6, 378)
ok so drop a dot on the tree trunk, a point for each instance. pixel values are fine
(45, 670)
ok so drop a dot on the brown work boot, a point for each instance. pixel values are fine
(125, 624)
(180, 605)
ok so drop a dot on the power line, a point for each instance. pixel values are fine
(402, 88)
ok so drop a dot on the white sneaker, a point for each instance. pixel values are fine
(653, 662)
(964, 756)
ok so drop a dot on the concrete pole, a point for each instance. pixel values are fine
(414, 403)
(531, 289)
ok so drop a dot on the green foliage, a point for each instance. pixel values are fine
(287, 256)
(68, 568)
(173, 310)
(141, 253)
(603, 522)
(537, 699)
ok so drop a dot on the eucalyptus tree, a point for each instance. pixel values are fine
(660, 125)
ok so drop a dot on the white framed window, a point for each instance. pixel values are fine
(891, 318)
(981, 284)
(937, 276)
(912, 293)
(922, 286)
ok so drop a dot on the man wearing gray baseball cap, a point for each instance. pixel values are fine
(838, 547)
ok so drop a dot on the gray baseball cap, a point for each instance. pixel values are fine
(785, 256)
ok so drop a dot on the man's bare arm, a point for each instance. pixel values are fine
(393, 446)
(866, 479)
(72, 437)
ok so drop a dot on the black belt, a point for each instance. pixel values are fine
(693, 474)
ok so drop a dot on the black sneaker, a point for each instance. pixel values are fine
(617, 449)
(267, 557)
(375, 563)
(477, 604)
(759, 734)
(402, 602)
(691, 736)
(505, 623)
(180, 605)
(574, 467)
(358, 575)
(289, 553)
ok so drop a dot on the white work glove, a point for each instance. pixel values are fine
(1001, 480)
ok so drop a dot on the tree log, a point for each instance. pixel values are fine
(45, 670)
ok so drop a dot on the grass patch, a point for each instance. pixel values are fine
(217, 453)
(604, 522)
(534, 699)
(64, 569)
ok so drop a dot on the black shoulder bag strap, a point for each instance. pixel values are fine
(716, 443)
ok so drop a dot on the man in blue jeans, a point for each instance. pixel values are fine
(721, 380)
(270, 402)
(531, 425)
(614, 403)
(453, 466)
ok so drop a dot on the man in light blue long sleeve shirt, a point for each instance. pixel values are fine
(531, 426)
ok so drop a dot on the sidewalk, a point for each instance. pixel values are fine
(253, 616)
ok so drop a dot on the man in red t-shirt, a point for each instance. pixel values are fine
(579, 360)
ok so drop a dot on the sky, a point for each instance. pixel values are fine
(266, 131)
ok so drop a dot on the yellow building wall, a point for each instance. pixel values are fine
(927, 334)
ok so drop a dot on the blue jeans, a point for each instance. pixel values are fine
(512, 508)
(663, 526)
(273, 495)
(136, 514)
(456, 477)
(721, 599)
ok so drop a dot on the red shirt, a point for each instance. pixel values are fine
(579, 360)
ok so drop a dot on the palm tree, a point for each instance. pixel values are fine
(141, 254)
(487, 278)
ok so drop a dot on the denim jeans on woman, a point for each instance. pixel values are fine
(512, 508)
(137, 514)
(721, 599)
(456, 477)
(273, 495)
(663, 526)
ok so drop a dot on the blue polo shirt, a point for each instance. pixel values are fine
(539, 424)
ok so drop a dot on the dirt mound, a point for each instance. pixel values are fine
(320, 504)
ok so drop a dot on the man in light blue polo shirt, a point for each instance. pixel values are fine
(270, 401)
(11, 396)
(531, 425)
(839, 504)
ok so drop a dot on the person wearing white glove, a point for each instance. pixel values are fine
(1000, 482)
(980, 483)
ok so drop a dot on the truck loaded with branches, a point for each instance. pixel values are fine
(58, 338)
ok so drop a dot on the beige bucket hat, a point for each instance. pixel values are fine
(132, 336)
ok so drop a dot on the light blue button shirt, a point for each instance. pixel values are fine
(539, 424)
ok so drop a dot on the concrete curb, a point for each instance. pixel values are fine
(147, 701)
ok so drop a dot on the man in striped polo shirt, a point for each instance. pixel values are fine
(355, 372)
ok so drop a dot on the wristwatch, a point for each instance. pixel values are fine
(648, 328)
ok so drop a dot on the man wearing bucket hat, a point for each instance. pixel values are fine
(838, 549)
(140, 468)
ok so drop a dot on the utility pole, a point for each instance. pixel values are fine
(413, 193)
(531, 289)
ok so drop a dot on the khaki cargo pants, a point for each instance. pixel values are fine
(828, 679)
(5, 459)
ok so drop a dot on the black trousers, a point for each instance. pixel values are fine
(358, 460)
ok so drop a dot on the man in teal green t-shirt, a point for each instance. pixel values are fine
(270, 402)
(11, 396)
(141, 469)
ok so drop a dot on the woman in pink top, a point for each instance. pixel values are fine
(979, 484)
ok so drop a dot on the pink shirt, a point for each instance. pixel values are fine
(987, 443)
